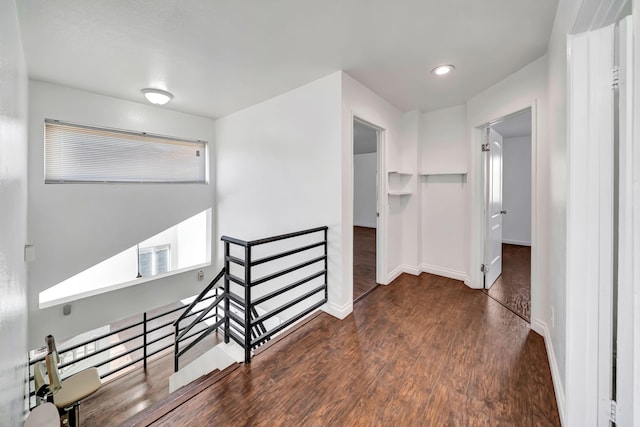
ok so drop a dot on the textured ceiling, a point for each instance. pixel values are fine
(219, 56)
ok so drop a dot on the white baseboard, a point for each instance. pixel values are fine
(402, 268)
(337, 311)
(516, 242)
(426, 268)
(410, 269)
(446, 272)
(543, 330)
(394, 274)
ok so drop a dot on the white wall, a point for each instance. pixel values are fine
(523, 89)
(75, 226)
(400, 133)
(556, 189)
(410, 162)
(444, 209)
(13, 214)
(279, 171)
(516, 190)
(364, 189)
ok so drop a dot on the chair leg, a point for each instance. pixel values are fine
(74, 416)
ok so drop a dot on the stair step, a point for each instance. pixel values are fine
(177, 398)
(219, 357)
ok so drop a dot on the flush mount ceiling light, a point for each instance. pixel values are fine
(157, 96)
(441, 70)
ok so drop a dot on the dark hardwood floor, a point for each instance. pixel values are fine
(422, 351)
(125, 396)
(364, 261)
(513, 287)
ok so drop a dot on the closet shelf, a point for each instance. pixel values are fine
(399, 193)
(454, 172)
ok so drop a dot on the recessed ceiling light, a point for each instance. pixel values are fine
(157, 96)
(441, 70)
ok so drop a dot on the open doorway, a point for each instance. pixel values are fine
(507, 247)
(365, 207)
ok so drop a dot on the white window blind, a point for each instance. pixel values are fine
(79, 153)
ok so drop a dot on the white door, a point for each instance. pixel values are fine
(627, 396)
(493, 245)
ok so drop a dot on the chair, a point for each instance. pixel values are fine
(45, 415)
(68, 393)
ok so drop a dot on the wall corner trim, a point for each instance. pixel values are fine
(339, 312)
(394, 274)
(410, 269)
(542, 328)
(446, 272)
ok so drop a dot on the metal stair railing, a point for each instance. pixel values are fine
(182, 334)
(246, 327)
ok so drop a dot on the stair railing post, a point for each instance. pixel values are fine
(176, 347)
(217, 293)
(144, 340)
(326, 264)
(226, 292)
(247, 304)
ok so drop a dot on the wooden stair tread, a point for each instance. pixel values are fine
(177, 398)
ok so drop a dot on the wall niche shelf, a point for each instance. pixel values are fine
(454, 172)
(399, 183)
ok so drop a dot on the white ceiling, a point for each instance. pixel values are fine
(365, 139)
(515, 125)
(219, 56)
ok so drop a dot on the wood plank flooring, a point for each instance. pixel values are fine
(422, 351)
(513, 287)
(124, 397)
(364, 261)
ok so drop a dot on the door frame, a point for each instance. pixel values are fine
(589, 268)
(478, 217)
(381, 205)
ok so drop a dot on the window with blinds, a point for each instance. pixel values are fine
(79, 153)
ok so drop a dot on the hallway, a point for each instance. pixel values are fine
(424, 350)
(513, 287)
(364, 261)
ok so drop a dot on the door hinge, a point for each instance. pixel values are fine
(615, 76)
(484, 268)
(485, 147)
(613, 409)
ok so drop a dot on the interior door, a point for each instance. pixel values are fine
(493, 252)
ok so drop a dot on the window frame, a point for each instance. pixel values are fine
(153, 250)
(204, 155)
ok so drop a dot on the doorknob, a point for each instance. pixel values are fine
(503, 212)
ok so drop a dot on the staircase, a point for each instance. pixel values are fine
(291, 284)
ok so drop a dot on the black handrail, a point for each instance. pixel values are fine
(182, 334)
(254, 331)
(149, 344)
(199, 297)
(274, 238)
